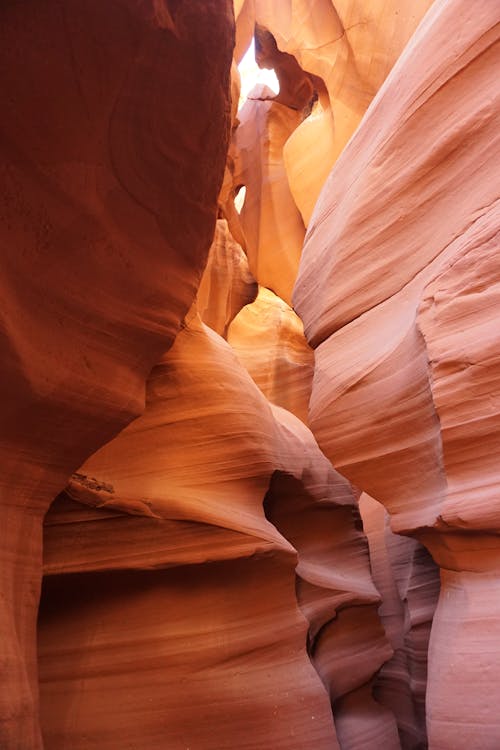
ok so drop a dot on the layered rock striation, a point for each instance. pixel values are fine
(397, 291)
(113, 139)
(408, 581)
(193, 606)
(175, 399)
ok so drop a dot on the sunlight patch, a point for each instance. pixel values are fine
(251, 75)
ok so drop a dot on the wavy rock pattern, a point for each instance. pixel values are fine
(397, 286)
(203, 586)
(268, 338)
(408, 581)
(227, 284)
(208, 561)
(346, 641)
(348, 48)
(107, 213)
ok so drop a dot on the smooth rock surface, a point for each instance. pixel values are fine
(227, 284)
(271, 222)
(398, 293)
(113, 139)
(174, 552)
(268, 338)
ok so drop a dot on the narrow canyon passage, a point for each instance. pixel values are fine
(250, 375)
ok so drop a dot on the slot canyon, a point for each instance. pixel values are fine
(250, 375)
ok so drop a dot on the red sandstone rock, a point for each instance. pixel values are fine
(187, 592)
(200, 557)
(113, 139)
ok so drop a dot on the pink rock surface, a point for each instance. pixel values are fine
(408, 581)
(397, 291)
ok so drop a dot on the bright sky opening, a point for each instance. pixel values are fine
(251, 75)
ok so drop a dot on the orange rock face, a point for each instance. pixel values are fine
(216, 627)
(271, 222)
(253, 475)
(268, 339)
(227, 284)
(347, 48)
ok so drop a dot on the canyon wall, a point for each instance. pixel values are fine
(248, 444)
(398, 290)
(113, 140)
(188, 591)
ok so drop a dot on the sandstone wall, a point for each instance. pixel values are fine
(175, 399)
(113, 139)
(398, 293)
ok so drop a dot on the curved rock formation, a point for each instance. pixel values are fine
(296, 87)
(271, 222)
(181, 595)
(210, 581)
(398, 283)
(330, 59)
(408, 581)
(350, 46)
(113, 140)
(347, 48)
(227, 284)
(347, 643)
(268, 338)
(200, 586)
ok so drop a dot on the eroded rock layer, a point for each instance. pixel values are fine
(210, 580)
(398, 291)
(216, 627)
(408, 581)
(268, 338)
(113, 139)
